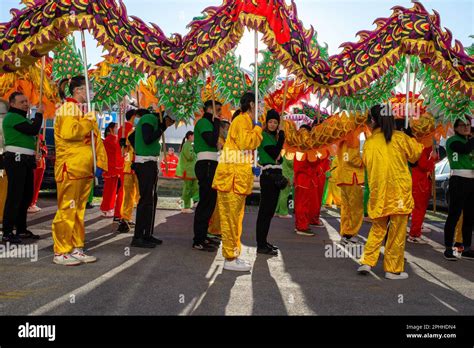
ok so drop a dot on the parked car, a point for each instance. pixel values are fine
(442, 174)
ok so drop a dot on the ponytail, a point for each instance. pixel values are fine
(72, 84)
(186, 137)
(383, 118)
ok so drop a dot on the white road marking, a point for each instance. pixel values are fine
(439, 275)
(335, 237)
(446, 304)
(85, 289)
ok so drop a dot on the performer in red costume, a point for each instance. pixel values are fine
(306, 184)
(321, 166)
(422, 184)
(110, 198)
(38, 174)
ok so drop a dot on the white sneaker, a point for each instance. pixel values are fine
(33, 209)
(108, 214)
(79, 255)
(237, 265)
(425, 229)
(187, 211)
(394, 276)
(307, 233)
(364, 269)
(347, 240)
(288, 216)
(65, 260)
(415, 240)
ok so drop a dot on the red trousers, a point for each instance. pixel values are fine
(111, 199)
(421, 195)
(306, 206)
(38, 174)
(317, 199)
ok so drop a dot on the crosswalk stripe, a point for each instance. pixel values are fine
(335, 237)
(87, 288)
(438, 275)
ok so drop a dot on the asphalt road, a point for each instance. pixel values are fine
(311, 275)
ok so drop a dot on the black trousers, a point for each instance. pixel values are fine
(20, 174)
(461, 199)
(269, 193)
(147, 175)
(205, 171)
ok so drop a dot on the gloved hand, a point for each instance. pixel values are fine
(123, 142)
(256, 171)
(281, 134)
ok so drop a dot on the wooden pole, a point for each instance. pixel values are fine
(256, 89)
(407, 98)
(213, 96)
(89, 105)
(285, 92)
(38, 142)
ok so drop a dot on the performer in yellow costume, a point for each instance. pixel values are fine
(350, 176)
(386, 155)
(3, 174)
(234, 180)
(73, 171)
(333, 192)
(128, 178)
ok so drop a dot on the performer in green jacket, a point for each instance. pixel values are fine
(185, 171)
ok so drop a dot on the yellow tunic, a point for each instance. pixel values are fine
(350, 168)
(388, 174)
(72, 141)
(234, 171)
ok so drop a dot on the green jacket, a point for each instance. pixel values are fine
(187, 160)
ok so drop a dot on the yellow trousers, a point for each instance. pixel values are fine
(334, 194)
(458, 235)
(215, 223)
(394, 247)
(352, 209)
(68, 224)
(130, 195)
(231, 214)
(3, 193)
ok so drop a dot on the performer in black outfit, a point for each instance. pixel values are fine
(206, 136)
(271, 180)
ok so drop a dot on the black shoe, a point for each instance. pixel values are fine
(267, 251)
(131, 223)
(123, 227)
(204, 247)
(212, 242)
(153, 240)
(28, 235)
(12, 239)
(117, 219)
(274, 247)
(468, 254)
(449, 255)
(141, 243)
(89, 206)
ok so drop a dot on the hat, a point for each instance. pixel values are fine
(272, 115)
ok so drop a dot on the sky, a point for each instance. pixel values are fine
(336, 21)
